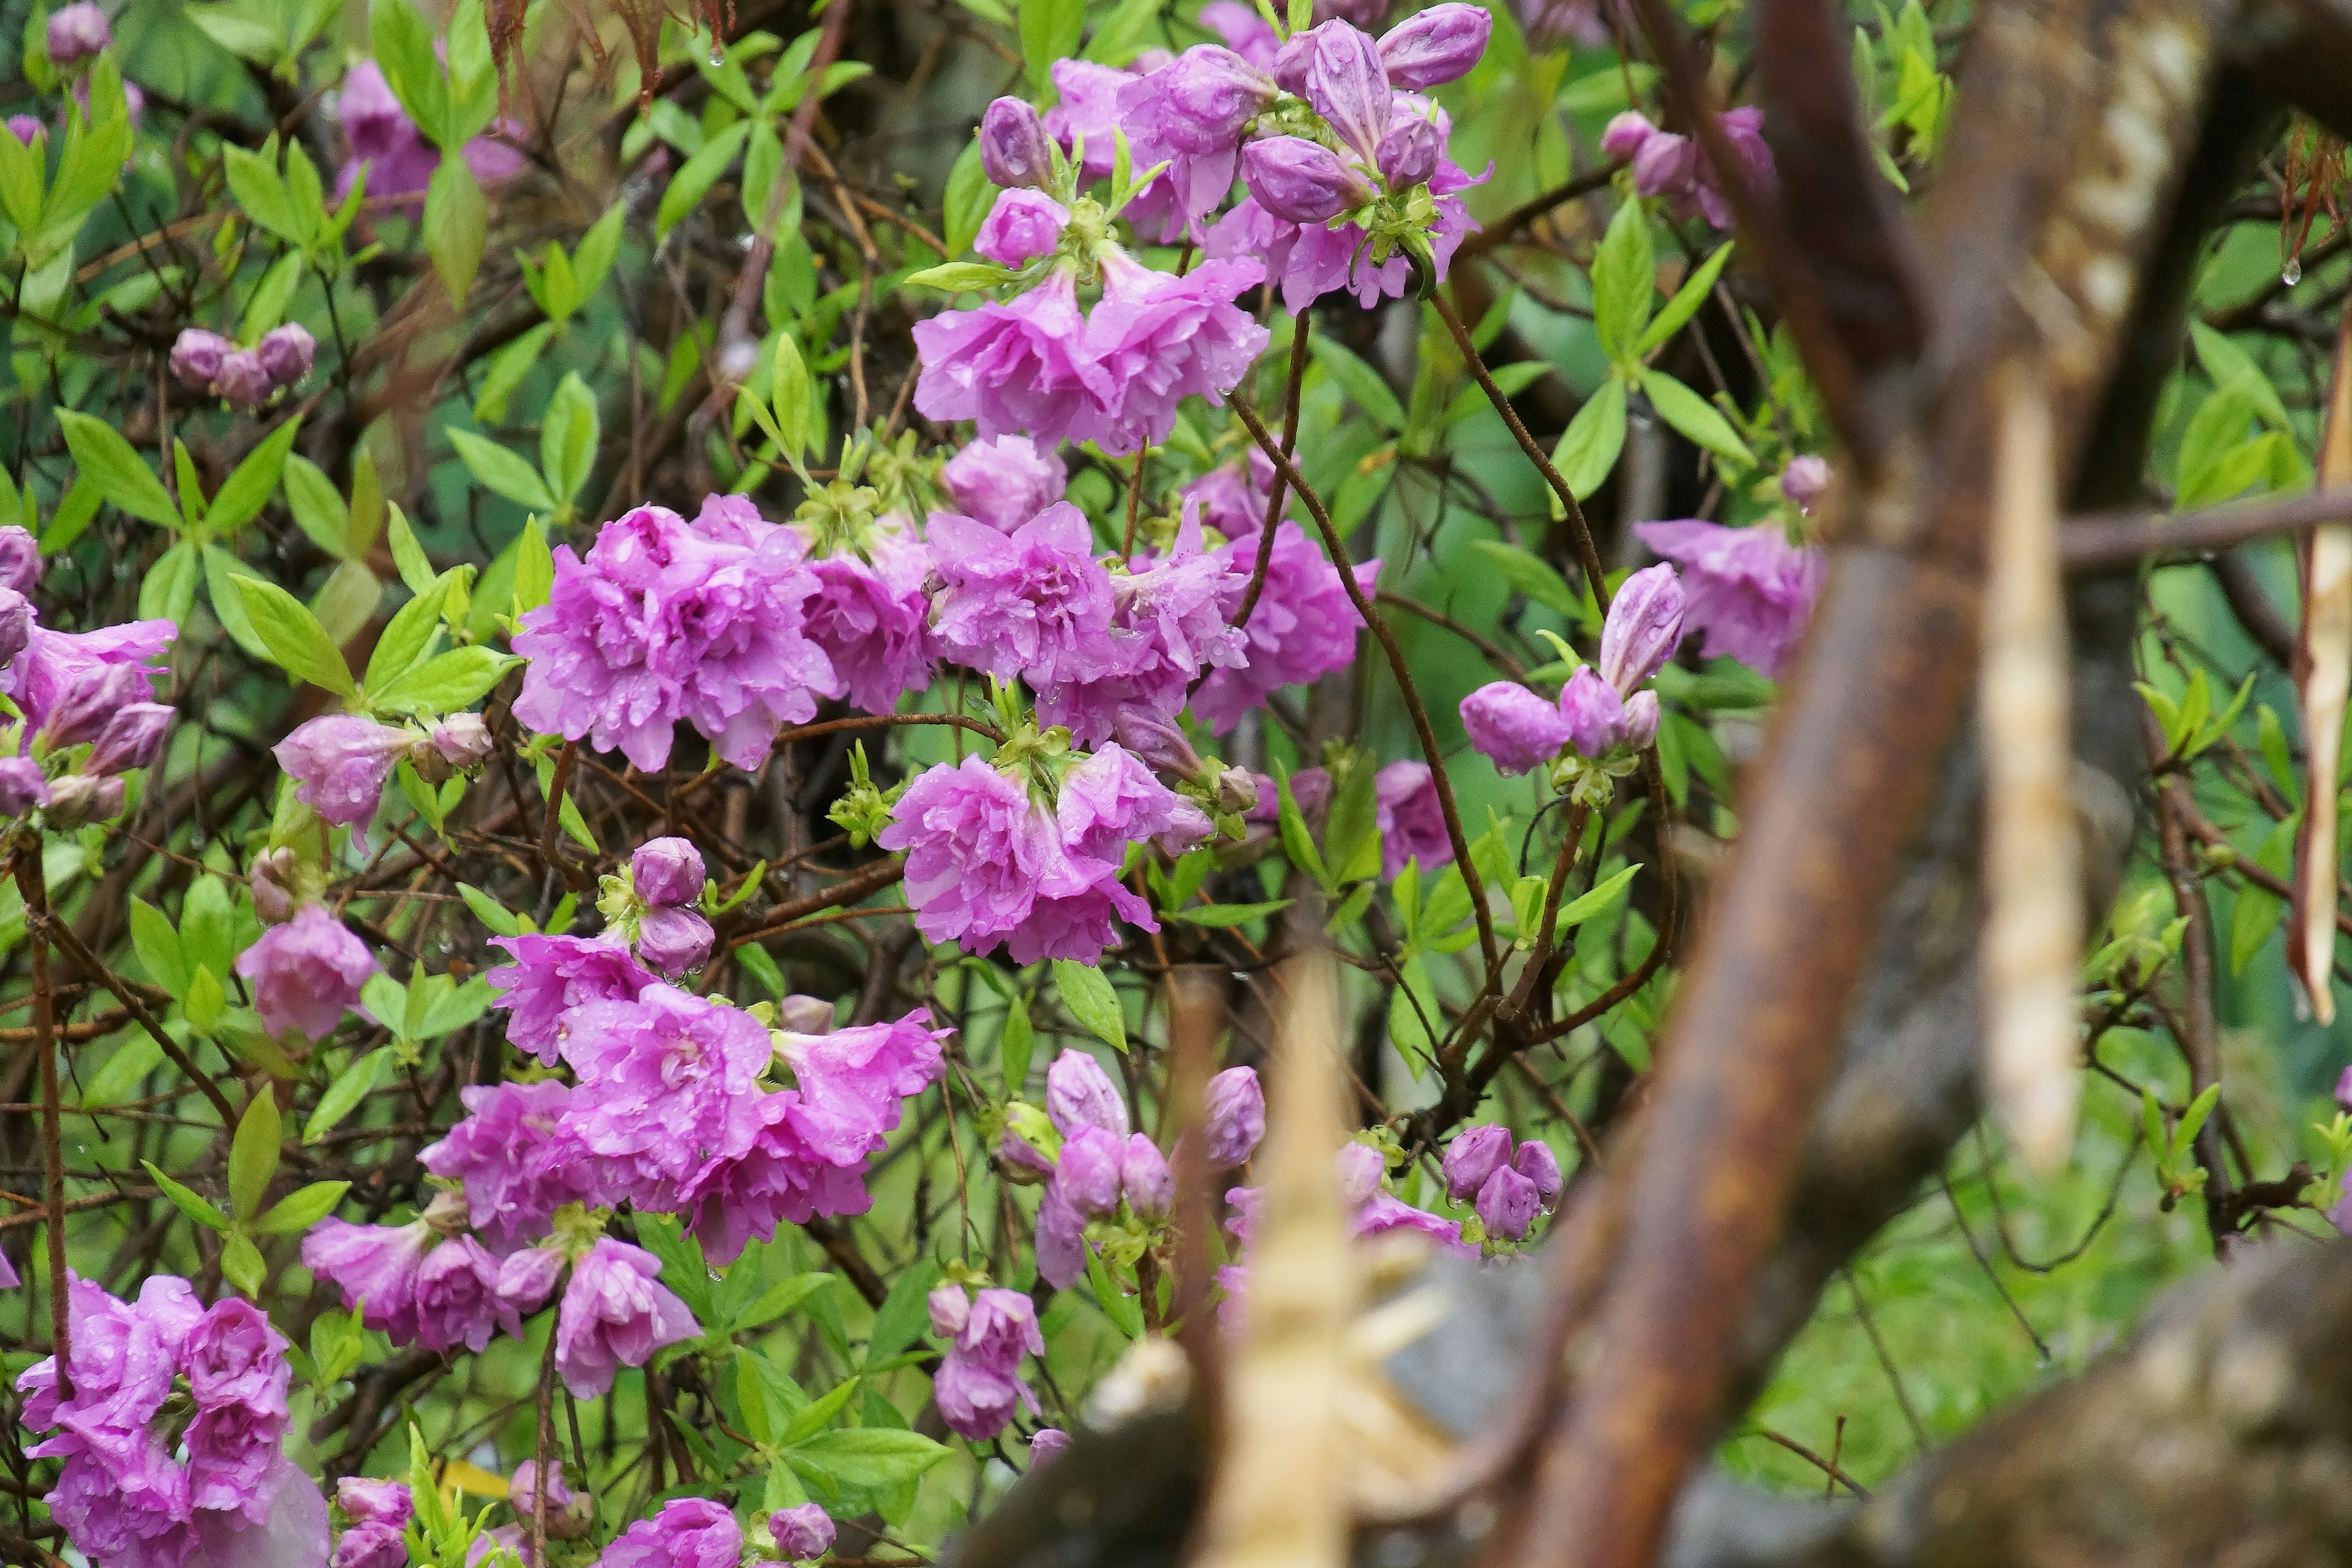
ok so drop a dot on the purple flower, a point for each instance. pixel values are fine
(374, 1502)
(26, 129)
(1548, 23)
(1519, 730)
(1061, 1239)
(1749, 589)
(1112, 800)
(1014, 368)
(871, 617)
(1233, 497)
(457, 1298)
(1644, 623)
(244, 382)
(1004, 481)
(1476, 1153)
(1157, 338)
(1803, 481)
(802, 1532)
(1049, 1441)
(1021, 226)
(374, 1267)
(1436, 46)
(77, 32)
(667, 871)
(1234, 1116)
(368, 1545)
(306, 972)
(22, 786)
(87, 675)
(123, 1361)
(666, 1082)
(1300, 181)
(979, 853)
(1349, 86)
(1089, 111)
(1507, 1203)
(1536, 1161)
(1383, 1212)
(132, 1511)
(20, 559)
(1014, 148)
(551, 976)
(341, 763)
(528, 1278)
(1035, 603)
(1192, 113)
(398, 161)
(690, 1532)
(132, 738)
(197, 356)
(673, 940)
(978, 1388)
(1078, 1093)
(238, 1373)
(286, 354)
(660, 623)
(1676, 169)
(1144, 1178)
(1167, 626)
(616, 1313)
(1412, 823)
(1595, 715)
(1315, 259)
(458, 744)
(1088, 1173)
(1411, 151)
(1304, 626)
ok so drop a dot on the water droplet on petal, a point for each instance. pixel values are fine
(2291, 273)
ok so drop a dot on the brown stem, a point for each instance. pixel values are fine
(2105, 539)
(34, 885)
(1588, 555)
(63, 935)
(1501, 232)
(848, 891)
(556, 789)
(1412, 693)
(542, 1451)
(1298, 328)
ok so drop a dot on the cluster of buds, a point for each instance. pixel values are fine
(653, 904)
(77, 34)
(1604, 717)
(1676, 169)
(87, 701)
(1226, 795)
(245, 379)
(1508, 1189)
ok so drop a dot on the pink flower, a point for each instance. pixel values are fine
(1304, 626)
(871, 618)
(978, 1386)
(1435, 45)
(1191, 114)
(1536, 1161)
(306, 972)
(667, 871)
(1233, 497)
(1749, 589)
(1235, 1117)
(69, 681)
(1048, 1441)
(551, 976)
(802, 1532)
(397, 159)
(979, 851)
(1020, 367)
(666, 1082)
(690, 1532)
(76, 32)
(661, 624)
(1412, 823)
(1157, 339)
(1382, 1212)
(374, 1267)
(1035, 603)
(1168, 627)
(1022, 226)
(1476, 1153)
(673, 940)
(1014, 149)
(458, 1299)
(616, 1313)
(1803, 482)
(1078, 1093)
(376, 1502)
(1519, 730)
(341, 763)
(1004, 481)
(1645, 624)
(1508, 1202)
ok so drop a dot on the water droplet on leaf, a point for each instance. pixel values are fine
(2291, 273)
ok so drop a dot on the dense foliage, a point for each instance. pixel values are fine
(642, 649)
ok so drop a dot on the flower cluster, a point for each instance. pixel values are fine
(652, 906)
(132, 1496)
(1749, 589)
(244, 378)
(1678, 170)
(1508, 1189)
(340, 761)
(978, 1384)
(305, 972)
(88, 701)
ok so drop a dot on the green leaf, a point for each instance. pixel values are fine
(502, 471)
(1231, 914)
(298, 644)
(302, 1208)
(248, 488)
(352, 1085)
(456, 225)
(534, 569)
(2192, 1121)
(1091, 1000)
(158, 946)
(793, 400)
(1686, 300)
(318, 506)
(1695, 416)
(598, 249)
(265, 307)
(221, 572)
(253, 1154)
(1124, 34)
(74, 513)
(445, 683)
(867, 1457)
(124, 1069)
(241, 1263)
(903, 1312)
(346, 601)
(1050, 30)
(169, 591)
(1363, 384)
(489, 912)
(185, 1201)
(1297, 844)
(817, 1414)
(1530, 575)
(1016, 1045)
(698, 174)
(1624, 282)
(1352, 823)
(409, 636)
(1413, 1016)
(959, 276)
(121, 476)
(684, 1270)
(1589, 447)
(2229, 365)
(409, 556)
(507, 367)
(779, 1298)
(969, 199)
(1124, 1311)
(567, 440)
(254, 181)
(1594, 900)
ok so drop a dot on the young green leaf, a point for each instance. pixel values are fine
(1091, 1000)
(298, 644)
(111, 463)
(253, 1155)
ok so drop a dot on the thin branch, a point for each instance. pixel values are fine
(2107, 539)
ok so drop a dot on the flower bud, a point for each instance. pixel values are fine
(1473, 1156)
(1013, 147)
(1080, 1094)
(133, 738)
(1144, 1177)
(806, 1531)
(26, 129)
(1506, 1205)
(1028, 1144)
(1803, 480)
(1360, 1170)
(805, 1015)
(79, 798)
(1233, 1117)
(365, 1501)
(569, 1513)
(1349, 87)
(1595, 714)
(1236, 790)
(1159, 745)
(527, 1278)
(1645, 622)
(1289, 66)
(1626, 135)
(1409, 152)
(667, 871)
(460, 743)
(1302, 182)
(198, 356)
(1207, 97)
(101, 692)
(1513, 726)
(1090, 1172)
(20, 562)
(78, 32)
(1022, 226)
(243, 381)
(1666, 165)
(1045, 1442)
(1536, 1161)
(22, 787)
(1435, 45)
(951, 1309)
(270, 876)
(16, 623)
(1641, 720)
(287, 353)
(673, 940)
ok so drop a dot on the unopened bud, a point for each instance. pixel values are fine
(79, 798)
(1645, 622)
(1014, 149)
(1435, 45)
(1302, 182)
